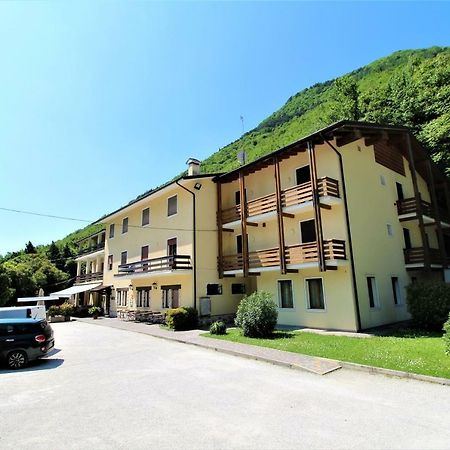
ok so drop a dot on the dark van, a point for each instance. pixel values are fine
(24, 340)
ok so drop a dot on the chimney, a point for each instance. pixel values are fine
(193, 166)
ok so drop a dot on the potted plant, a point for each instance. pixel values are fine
(55, 314)
(66, 311)
(94, 311)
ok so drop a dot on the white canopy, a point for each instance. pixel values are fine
(66, 293)
(36, 299)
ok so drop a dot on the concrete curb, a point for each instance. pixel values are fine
(394, 373)
(343, 364)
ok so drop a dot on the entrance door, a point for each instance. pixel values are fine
(303, 175)
(307, 231)
(144, 256)
(172, 247)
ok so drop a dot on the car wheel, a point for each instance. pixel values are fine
(17, 359)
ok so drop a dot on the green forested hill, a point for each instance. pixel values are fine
(409, 87)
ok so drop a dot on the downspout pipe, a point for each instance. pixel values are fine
(347, 220)
(194, 239)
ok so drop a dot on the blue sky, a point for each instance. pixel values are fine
(101, 101)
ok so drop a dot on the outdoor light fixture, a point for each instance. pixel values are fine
(155, 285)
(197, 186)
(130, 286)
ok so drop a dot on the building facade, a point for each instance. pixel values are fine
(335, 226)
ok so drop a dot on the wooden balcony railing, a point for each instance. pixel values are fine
(86, 277)
(417, 256)
(409, 206)
(91, 249)
(174, 262)
(295, 195)
(294, 254)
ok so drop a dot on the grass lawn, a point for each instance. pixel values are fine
(405, 349)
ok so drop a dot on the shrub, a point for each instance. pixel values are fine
(179, 319)
(94, 310)
(257, 315)
(218, 327)
(429, 304)
(54, 311)
(447, 336)
(66, 309)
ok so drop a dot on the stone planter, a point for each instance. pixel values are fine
(56, 319)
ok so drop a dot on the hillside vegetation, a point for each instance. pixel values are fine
(409, 87)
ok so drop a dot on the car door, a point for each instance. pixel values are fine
(7, 338)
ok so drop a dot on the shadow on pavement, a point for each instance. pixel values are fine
(39, 364)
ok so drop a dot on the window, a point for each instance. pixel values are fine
(170, 296)
(390, 232)
(123, 257)
(172, 247)
(172, 205)
(314, 292)
(396, 291)
(308, 231)
(303, 175)
(399, 187)
(407, 238)
(110, 262)
(145, 216)
(213, 289)
(143, 297)
(239, 244)
(238, 288)
(122, 295)
(237, 197)
(111, 231)
(125, 225)
(285, 297)
(374, 301)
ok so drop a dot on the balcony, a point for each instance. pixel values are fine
(415, 257)
(162, 264)
(88, 277)
(91, 249)
(297, 256)
(292, 199)
(407, 210)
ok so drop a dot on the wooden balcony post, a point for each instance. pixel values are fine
(280, 222)
(243, 201)
(437, 215)
(316, 205)
(418, 199)
(219, 229)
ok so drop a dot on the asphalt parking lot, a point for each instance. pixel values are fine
(109, 388)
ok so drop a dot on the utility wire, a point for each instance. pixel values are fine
(148, 227)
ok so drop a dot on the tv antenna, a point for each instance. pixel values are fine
(242, 121)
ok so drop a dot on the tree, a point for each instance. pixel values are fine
(5, 287)
(344, 100)
(70, 265)
(55, 256)
(29, 248)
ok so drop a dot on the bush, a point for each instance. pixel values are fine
(179, 319)
(447, 336)
(83, 311)
(218, 328)
(54, 311)
(257, 315)
(94, 310)
(66, 309)
(429, 304)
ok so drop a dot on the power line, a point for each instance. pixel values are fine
(148, 227)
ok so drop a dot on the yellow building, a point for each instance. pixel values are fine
(335, 226)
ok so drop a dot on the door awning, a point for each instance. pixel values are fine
(75, 290)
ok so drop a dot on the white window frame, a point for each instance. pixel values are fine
(308, 303)
(128, 224)
(120, 294)
(279, 295)
(168, 198)
(300, 229)
(301, 167)
(400, 301)
(376, 293)
(114, 230)
(140, 300)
